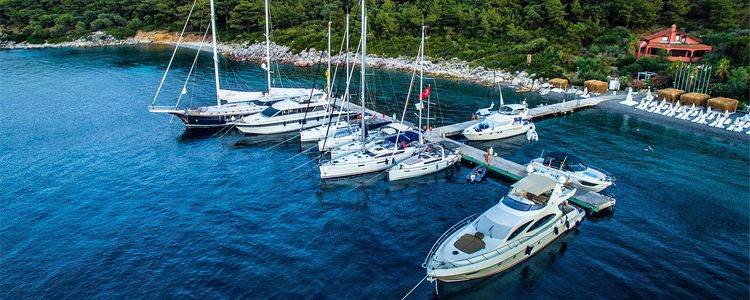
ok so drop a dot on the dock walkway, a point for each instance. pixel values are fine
(535, 113)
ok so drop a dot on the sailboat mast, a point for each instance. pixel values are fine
(215, 54)
(328, 69)
(421, 73)
(362, 71)
(268, 48)
(346, 57)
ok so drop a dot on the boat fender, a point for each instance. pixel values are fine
(567, 224)
(556, 231)
(530, 167)
(578, 223)
(528, 250)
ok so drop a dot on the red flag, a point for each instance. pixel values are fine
(425, 93)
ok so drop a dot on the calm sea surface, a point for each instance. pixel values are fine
(101, 198)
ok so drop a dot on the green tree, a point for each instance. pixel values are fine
(722, 69)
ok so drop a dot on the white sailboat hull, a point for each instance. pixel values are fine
(329, 170)
(404, 171)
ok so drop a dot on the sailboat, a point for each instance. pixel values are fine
(231, 105)
(432, 157)
(380, 156)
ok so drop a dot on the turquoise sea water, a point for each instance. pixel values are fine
(103, 199)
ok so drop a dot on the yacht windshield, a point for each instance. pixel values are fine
(579, 167)
(269, 112)
(518, 205)
(506, 110)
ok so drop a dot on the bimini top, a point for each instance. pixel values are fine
(406, 136)
(535, 184)
(556, 159)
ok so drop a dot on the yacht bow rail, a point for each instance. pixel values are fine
(164, 109)
(445, 236)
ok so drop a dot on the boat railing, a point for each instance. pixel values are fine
(445, 236)
(163, 109)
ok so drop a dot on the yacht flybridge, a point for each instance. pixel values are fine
(530, 217)
(231, 105)
(580, 175)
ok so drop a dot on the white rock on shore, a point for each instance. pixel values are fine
(452, 68)
(96, 39)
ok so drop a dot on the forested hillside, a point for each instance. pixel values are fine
(564, 36)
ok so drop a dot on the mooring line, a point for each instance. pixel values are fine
(282, 142)
(414, 288)
(303, 152)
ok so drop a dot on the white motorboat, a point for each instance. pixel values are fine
(433, 158)
(512, 119)
(285, 116)
(378, 157)
(530, 217)
(579, 175)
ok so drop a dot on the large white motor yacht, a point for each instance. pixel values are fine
(511, 120)
(377, 157)
(286, 116)
(531, 216)
(581, 176)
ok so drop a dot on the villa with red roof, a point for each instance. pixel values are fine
(676, 45)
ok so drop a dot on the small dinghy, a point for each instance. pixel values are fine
(477, 173)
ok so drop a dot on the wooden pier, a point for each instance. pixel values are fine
(594, 201)
(535, 113)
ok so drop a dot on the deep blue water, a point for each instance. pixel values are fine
(103, 199)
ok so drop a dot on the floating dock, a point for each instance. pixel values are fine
(591, 200)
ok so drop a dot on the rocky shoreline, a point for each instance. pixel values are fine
(451, 68)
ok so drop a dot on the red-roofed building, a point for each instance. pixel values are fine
(678, 46)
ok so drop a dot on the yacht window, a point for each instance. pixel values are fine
(269, 112)
(518, 231)
(541, 222)
(518, 205)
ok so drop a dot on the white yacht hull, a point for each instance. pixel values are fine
(329, 170)
(508, 258)
(277, 127)
(402, 171)
(496, 134)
